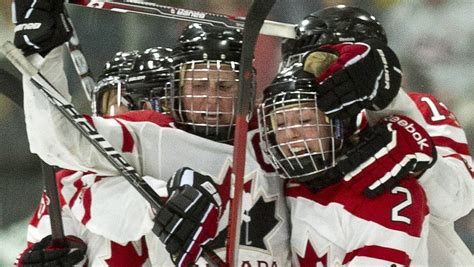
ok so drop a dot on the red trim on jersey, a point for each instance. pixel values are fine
(310, 258)
(127, 255)
(78, 185)
(41, 210)
(377, 252)
(86, 201)
(459, 157)
(355, 202)
(259, 154)
(427, 113)
(128, 141)
(89, 120)
(60, 174)
(147, 116)
(253, 123)
(460, 148)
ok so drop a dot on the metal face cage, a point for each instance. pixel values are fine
(203, 98)
(300, 139)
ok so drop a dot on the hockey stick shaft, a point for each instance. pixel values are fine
(54, 205)
(269, 27)
(10, 90)
(15, 56)
(255, 19)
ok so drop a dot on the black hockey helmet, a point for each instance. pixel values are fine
(112, 78)
(150, 78)
(120, 65)
(290, 105)
(206, 55)
(206, 42)
(331, 25)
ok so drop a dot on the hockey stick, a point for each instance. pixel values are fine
(54, 206)
(15, 56)
(255, 18)
(269, 27)
(49, 179)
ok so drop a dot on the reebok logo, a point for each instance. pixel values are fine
(409, 127)
(385, 69)
(27, 26)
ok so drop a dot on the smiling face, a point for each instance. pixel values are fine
(302, 130)
(299, 139)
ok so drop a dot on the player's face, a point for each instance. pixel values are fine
(209, 93)
(301, 129)
(112, 104)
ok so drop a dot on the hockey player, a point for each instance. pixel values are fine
(134, 81)
(158, 152)
(86, 197)
(110, 95)
(339, 65)
(202, 102)
(347, 94)
(21, 33)
(338, 225)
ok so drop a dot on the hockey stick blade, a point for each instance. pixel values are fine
(269, 27)
(255, 19)
(16, 57)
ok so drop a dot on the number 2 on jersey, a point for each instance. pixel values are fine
(396, 217)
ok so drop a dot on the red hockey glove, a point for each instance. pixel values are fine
(354, 76)
(190, 217)
(386, 153)
(41, 25)
(44, 253)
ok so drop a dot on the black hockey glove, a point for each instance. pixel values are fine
(190, 217)
(44, 253)
(41, 25)
(392, 149)
(354, 76)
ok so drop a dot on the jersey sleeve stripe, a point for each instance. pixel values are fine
(378, 252)
(460, 148)
(128, 143)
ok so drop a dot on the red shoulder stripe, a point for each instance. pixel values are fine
(460, 148)
(128, 142)
(377, 252)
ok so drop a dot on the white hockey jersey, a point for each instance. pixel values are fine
(158, 152)
(340, 226)
(449, 199)
(448, 184)
(85, 200)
